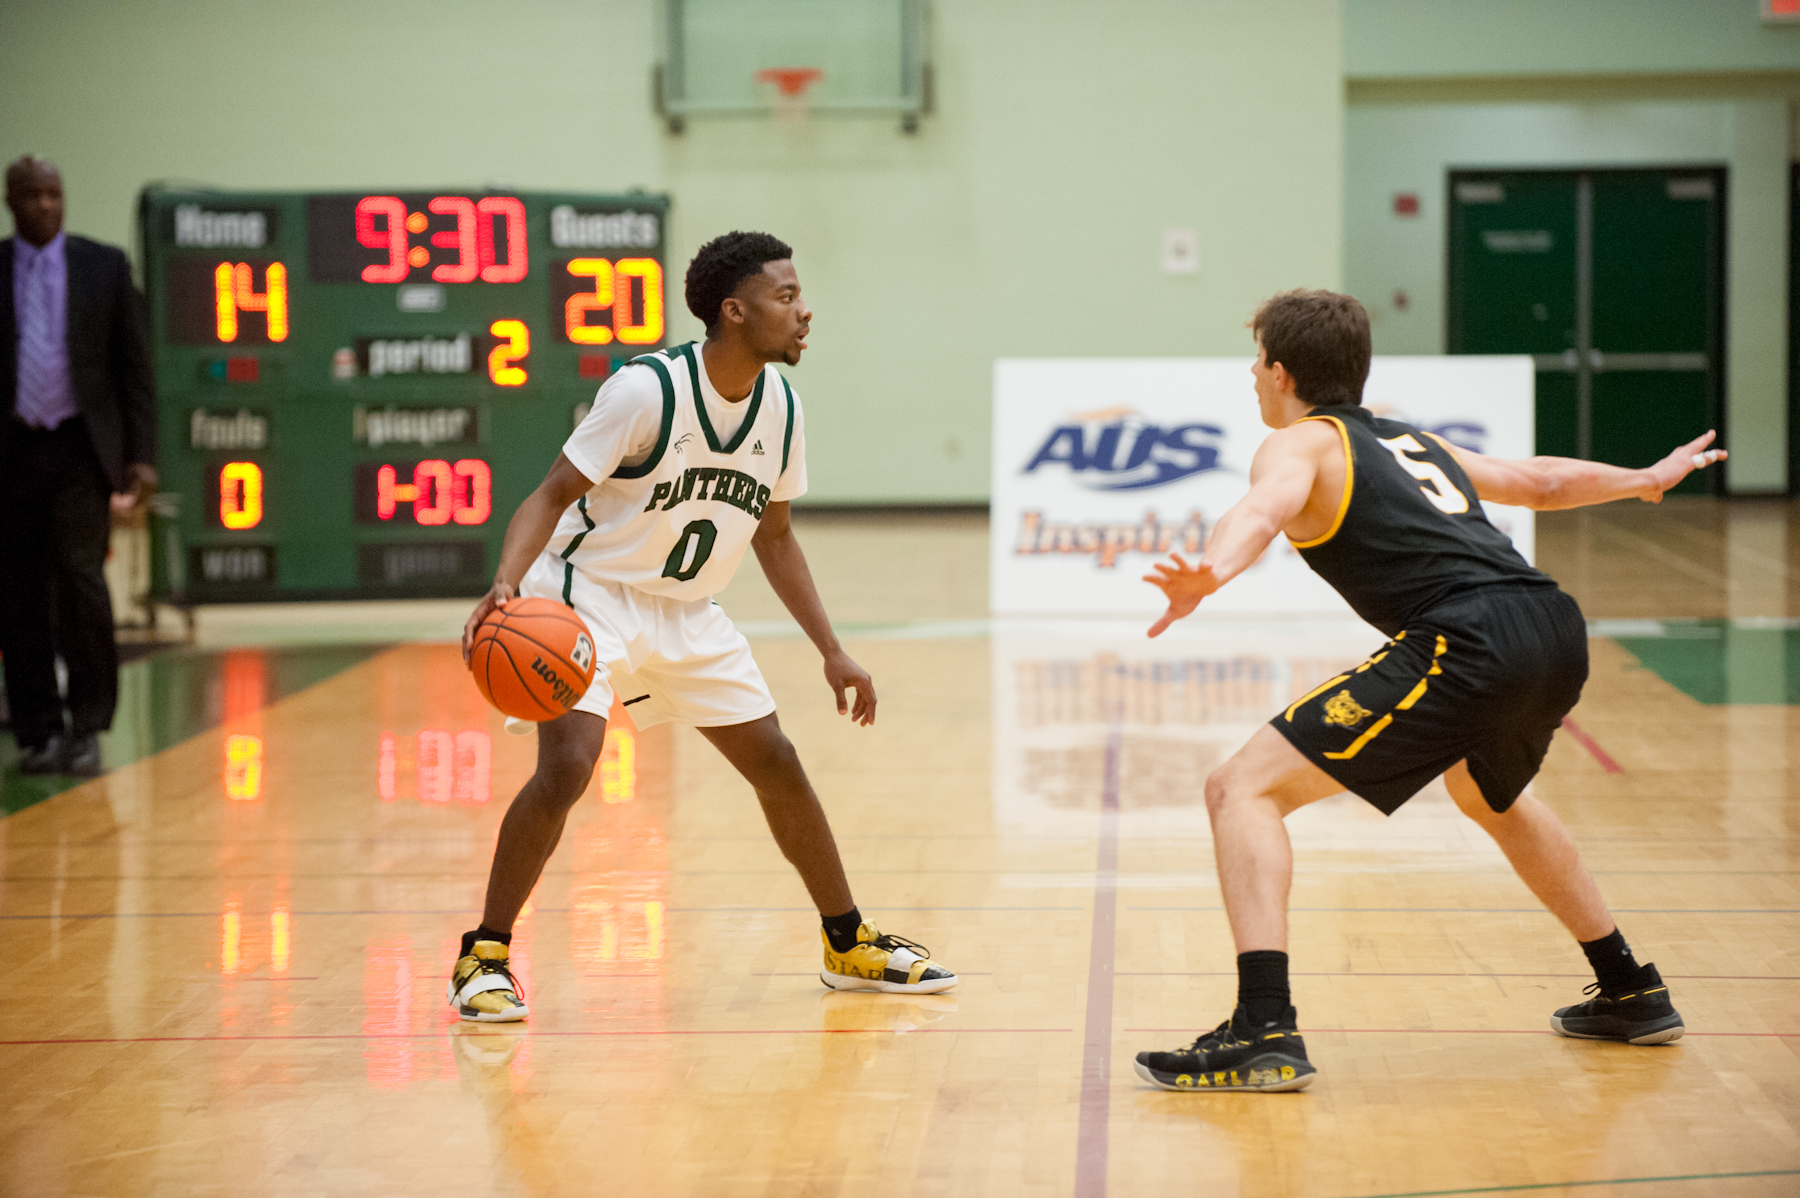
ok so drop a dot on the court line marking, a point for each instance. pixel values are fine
(1607, 1181)
(757, 910)
(1199, 881)
(1492, 910)
(1097, 1045)
(477, 911)
(444, 1030)
(109, 838)
(1592, 746)
(1450, 1031)
(1683, 977)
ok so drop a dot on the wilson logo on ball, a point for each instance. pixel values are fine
(583, 652)
(560, 690)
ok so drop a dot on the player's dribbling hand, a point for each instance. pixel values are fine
(841, 673)
(1678, 465)
(496, 596)
(1185, 587)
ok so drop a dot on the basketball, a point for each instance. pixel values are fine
(533, 659)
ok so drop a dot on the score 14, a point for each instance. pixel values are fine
(234, 291)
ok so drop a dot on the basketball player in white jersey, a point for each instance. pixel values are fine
(689, 456)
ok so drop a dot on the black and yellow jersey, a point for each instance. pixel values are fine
(1409, 532)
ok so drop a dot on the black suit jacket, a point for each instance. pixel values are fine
(109, 354)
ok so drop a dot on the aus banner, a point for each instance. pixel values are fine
(1103, 466)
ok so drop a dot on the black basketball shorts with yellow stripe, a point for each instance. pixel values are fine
(1486, 677)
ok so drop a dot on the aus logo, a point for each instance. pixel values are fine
(1127, 452)
(1464, 434)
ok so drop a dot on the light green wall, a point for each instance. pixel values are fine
(1025, 218)
(1394, 39)
(1411, 146)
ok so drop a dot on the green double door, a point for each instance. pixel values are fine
(1614, 282)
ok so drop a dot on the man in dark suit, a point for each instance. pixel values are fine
(79, 427)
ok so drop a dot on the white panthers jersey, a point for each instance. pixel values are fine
(677, 492)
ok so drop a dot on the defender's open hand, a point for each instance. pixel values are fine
(842, 673)
(1185, 587)
(1678, 465)
(497, 596)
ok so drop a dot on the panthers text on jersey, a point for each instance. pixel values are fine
(675, 503)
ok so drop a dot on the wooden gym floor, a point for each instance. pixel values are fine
(227, 957)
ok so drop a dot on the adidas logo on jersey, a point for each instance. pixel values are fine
(756, 450)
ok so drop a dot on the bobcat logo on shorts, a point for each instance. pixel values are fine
(1345, 711)
(583, 653)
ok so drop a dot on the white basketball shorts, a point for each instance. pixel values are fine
(667, 659)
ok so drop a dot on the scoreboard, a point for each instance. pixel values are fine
(356, 389)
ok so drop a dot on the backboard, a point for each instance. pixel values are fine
(792, 57)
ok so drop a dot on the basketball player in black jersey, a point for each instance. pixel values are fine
(1486, 656)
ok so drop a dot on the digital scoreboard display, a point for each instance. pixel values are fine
(356, 389)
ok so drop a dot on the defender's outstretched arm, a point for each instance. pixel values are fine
(1281, 480)
(1549, 484)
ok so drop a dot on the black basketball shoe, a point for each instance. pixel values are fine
(1641, 1015)
(1234, 1056)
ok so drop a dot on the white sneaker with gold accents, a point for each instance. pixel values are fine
(890, 964)
(482, 988)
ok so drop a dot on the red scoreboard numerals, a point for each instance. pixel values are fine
(240, 495)
(440, 493)
(512, 211)
(462, 239)
(234, 291)
(383, 223)
(391, 237)
(612, 289)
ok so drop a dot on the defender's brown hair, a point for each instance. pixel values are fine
(1323, 340)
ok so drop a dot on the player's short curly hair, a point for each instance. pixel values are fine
(1323, 340)
(724, 262)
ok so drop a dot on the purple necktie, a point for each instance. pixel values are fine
(38, 384)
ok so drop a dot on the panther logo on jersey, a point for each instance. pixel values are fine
(1345, 711)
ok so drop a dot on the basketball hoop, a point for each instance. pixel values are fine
(791, 103)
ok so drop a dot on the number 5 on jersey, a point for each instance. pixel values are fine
(1438, 488)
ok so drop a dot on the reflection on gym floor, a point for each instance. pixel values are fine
(247, 935)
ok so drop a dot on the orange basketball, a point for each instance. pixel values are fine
(533, 658)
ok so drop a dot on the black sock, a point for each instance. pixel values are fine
(483, 933)
(1613, 963)
(1263, 986)
(841, 929)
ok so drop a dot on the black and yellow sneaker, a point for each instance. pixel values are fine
(1642, 1015)
(890, 964)
(1234, 1056)
(482, 988)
